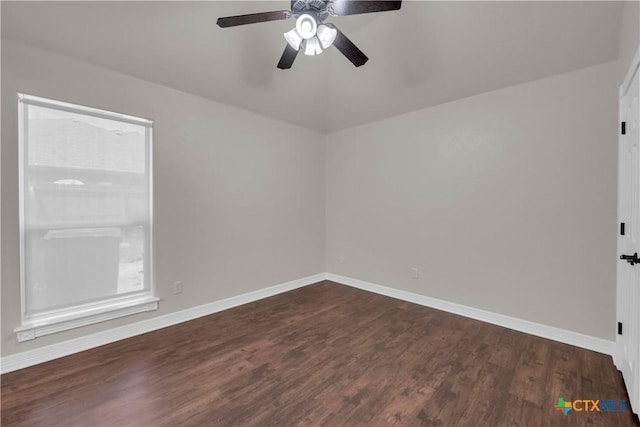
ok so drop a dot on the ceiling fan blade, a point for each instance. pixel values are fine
(253, 18)
(287, 58)
(348, 49)
(355, 7)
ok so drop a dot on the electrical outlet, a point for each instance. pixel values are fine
(341, 259)
(177, 288)
(415, 273)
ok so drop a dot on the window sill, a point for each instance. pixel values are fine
(51, 324)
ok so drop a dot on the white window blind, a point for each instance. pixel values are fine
(85, 184)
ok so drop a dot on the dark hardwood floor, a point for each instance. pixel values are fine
(327, 355)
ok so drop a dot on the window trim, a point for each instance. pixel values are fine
(57, 320)
(106, 310)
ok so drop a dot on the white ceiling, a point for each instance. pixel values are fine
(425, 54)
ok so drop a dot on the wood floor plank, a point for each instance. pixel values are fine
(323, 355)
(529, 377)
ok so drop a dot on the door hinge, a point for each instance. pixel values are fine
(622, 228)
(619, 328)
(623, 128)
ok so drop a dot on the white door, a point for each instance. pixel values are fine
(628, 273)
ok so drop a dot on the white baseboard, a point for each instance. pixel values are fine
(44, 354)
(562, 335)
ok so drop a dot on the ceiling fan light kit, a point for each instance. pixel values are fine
(310, 27)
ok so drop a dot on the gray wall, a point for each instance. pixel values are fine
(505, 201)
(629, 37)
(239, 198)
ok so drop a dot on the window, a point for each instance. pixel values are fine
(85, 216)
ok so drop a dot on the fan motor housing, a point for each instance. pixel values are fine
(316, 8)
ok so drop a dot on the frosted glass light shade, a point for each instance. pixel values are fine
(293, 38)
(326, 35)
(306, 26)
(313, 47)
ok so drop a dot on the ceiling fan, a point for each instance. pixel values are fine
(311, 29)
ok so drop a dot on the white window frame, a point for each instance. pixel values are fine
(58, 320)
